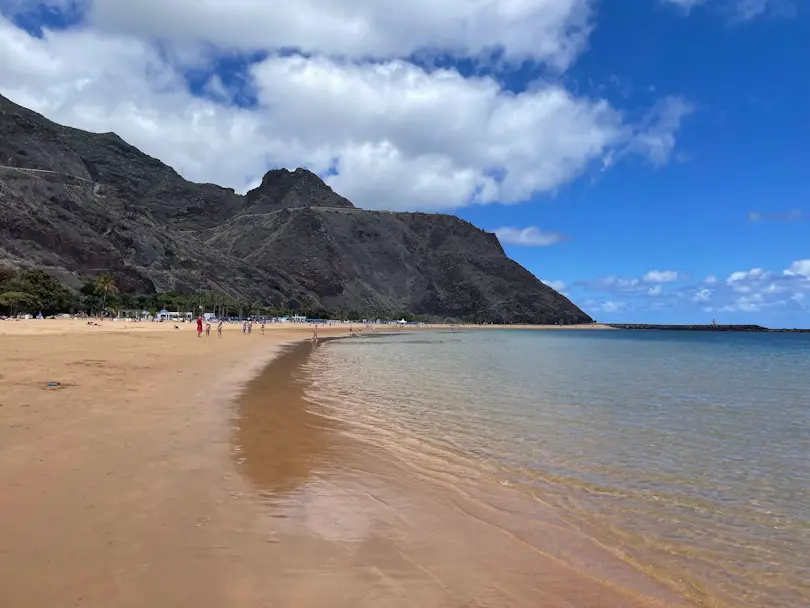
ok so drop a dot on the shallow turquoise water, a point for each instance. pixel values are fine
(686, 453)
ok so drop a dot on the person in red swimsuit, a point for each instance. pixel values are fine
(199, 326)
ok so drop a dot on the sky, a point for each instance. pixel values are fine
(650, 159)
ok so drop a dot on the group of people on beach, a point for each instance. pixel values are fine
(247, 328)
(207, 327)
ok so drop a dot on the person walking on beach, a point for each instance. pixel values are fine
(262, 326)
(250, 328)
(315, 334)
(219, 328)
(199, 327)
(244, 327)
(208, 329)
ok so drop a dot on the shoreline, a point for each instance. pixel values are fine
(64, 327)
(130, 484)
(545, 559)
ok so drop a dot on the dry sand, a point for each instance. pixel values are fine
(139, 480)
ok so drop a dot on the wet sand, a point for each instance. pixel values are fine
(139, 481)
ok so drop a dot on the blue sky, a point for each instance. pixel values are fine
(647, 157)
(745, 151)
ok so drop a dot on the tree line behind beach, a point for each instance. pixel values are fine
(35, 291)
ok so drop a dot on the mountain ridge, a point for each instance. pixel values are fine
(290, 242)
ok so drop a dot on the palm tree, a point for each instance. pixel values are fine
(220, 303)
(104, 285)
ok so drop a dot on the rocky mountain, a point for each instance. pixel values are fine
(83, 204)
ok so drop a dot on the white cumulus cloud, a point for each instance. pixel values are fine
(754, 292)
(656, 136)
(613, 306)
(531, 236)
(744, 10)
(661, 276)
(555, 285)
(391, 134)
(800, 268)
(754, 273)
(550, 31)
(702, 295)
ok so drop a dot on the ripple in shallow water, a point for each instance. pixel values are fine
(686, 453)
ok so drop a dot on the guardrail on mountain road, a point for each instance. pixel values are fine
(47, 172)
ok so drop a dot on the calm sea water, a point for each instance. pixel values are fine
(686, 453)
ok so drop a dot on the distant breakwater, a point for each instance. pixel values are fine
(748, 328)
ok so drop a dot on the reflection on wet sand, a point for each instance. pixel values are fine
(278, 444)
(357, 522)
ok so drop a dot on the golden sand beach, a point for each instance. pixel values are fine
(162, 469)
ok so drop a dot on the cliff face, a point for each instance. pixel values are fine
(290, 240)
